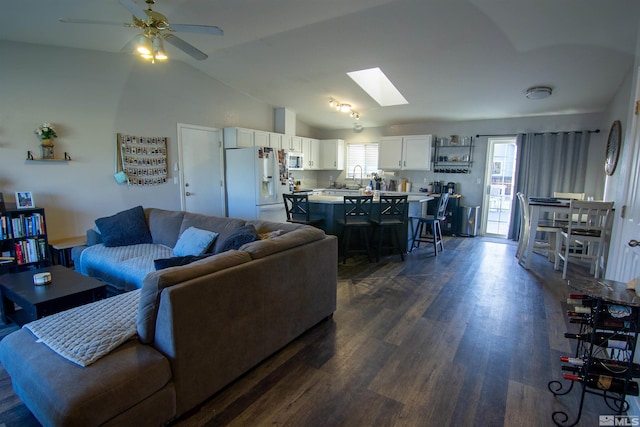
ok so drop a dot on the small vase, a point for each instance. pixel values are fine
(47, 149)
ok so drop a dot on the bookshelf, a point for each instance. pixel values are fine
(23, 240)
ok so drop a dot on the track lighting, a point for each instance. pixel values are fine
(343, 108)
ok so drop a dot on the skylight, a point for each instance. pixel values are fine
(378, 86)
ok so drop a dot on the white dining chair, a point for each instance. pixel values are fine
(584, 238)
(574, 196)
(553, 232)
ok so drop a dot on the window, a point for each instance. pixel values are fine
(365, 155)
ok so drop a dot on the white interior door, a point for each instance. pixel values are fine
(624, 259)
(201, 169)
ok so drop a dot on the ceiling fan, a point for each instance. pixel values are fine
(155, 28)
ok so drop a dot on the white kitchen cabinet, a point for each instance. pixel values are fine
(238, 138)
(311, 153)
(292, 143)
(411, 152)
(260, 138)
(275, 140)
(390, 153)
(332, 154)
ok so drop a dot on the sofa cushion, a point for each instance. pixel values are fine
(224, 226)
(175, 261)
(194, 241)
(123, 267)
(242, 235)
(164, 225)
(124, 228)
(298, 237)
(93, 395)
(155, 282)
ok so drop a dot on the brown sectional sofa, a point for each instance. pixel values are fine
(200, 326)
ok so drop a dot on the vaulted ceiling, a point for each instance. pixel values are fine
(451, 59)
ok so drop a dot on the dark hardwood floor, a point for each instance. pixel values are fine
(467, 338)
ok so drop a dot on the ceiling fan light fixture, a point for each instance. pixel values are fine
(538, 92)
(143, 45)
(158, 49)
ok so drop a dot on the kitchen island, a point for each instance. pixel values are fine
(331, 208)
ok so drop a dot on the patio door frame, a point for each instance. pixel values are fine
(492, 142)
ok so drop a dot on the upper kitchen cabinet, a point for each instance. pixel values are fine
(292, 143)
(260, 138)
(238, 138)
(275, 140)
(332, 154)
(412, 152)
(311, 153)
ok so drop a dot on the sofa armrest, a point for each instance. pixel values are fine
(76, 251)
(93, 237)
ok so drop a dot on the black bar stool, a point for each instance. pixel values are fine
(393, 211)
(433, 221)
(357, 215)
(298, 212)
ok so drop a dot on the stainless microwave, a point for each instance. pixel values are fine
(295, 161)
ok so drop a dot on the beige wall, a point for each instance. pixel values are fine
(90, 97)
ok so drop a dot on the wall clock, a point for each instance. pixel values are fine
(613, 148)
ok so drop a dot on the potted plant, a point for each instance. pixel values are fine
(46, 133)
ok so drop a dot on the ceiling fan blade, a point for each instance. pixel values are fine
(200, 29)
(134, 9)
(91, 21)
(186, 47)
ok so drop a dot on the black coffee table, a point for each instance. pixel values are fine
(67, 289)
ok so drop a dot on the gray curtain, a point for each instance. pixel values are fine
(549, 162)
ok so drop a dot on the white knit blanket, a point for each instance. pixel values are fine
(85, 334)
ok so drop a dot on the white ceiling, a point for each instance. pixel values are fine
(451, 59)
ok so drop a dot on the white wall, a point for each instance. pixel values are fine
(90, 97)
(469, 188)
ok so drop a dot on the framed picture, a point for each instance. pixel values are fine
(24, 200)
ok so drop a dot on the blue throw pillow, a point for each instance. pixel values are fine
(163, 263)
(124, 228)
(242, 235)
(194, 241)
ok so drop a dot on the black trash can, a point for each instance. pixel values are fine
(468, 220)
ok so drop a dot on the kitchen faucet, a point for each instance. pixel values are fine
(354, 175)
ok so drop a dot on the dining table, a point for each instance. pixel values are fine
(538, 206)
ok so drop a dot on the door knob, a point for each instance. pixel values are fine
(187, 193)
(633, 243)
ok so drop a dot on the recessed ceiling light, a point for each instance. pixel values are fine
(538, 92)
(378, 86)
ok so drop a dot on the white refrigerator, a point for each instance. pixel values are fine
(256, 179)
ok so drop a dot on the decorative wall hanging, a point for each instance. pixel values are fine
(613, 148)
(142, 159)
